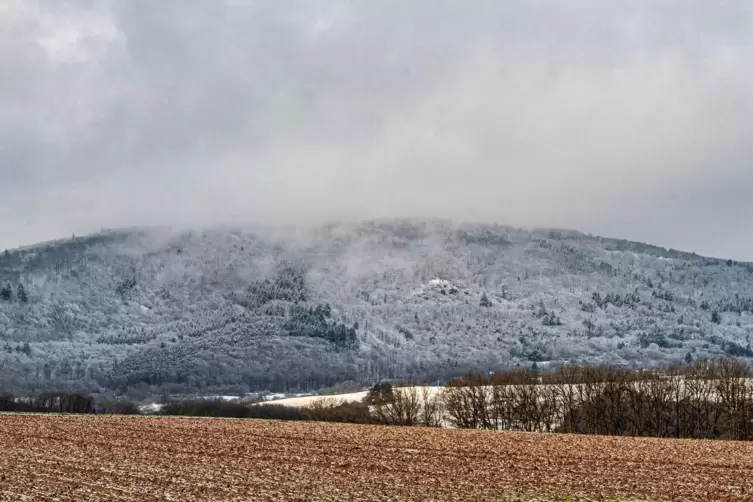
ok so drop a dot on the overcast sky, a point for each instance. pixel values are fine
(628, 119)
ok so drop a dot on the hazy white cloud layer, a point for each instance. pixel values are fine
(623, 118)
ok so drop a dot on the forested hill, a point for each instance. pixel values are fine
(235, 310)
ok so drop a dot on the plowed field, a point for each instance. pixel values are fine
(116, 458)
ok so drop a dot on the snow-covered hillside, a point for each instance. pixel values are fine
(235, 310)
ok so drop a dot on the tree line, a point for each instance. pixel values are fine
(710, 399)
(48, 403)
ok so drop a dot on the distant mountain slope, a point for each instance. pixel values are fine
(149, 311)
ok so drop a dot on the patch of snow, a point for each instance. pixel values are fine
(307, 400)
(273, 397)
(150, 408)
(223, 398)
(353, 397)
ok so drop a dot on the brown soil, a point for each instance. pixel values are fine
(134, 458)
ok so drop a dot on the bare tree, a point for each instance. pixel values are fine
(431, 408)
(565, 383)
(468, 402)
(403, 409)
(733, 391)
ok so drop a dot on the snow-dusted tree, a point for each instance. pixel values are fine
(485, 301)
(21, 293)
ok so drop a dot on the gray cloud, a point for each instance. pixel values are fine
(628, 119)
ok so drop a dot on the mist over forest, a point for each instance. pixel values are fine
(630, 120)
(148, 311)
(303, 193)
